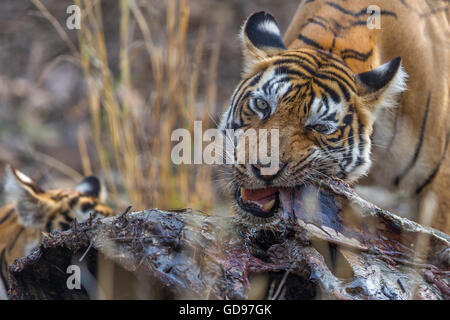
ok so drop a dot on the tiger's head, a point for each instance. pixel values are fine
(324, 114)
(53, 209)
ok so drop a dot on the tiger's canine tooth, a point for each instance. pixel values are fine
(269, 205)
(243, 194)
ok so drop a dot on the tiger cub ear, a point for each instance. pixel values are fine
(381, 86)
(90, 186)
(260, 38)
(24, 193)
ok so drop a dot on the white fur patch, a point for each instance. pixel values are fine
(319, 110)
(23, 177)
(84, 187)
(13, 189)
(30, 213)
(268, 26)
(385, 117)
(223, 120)
(398, 85)
(274, 92)
(82, 215)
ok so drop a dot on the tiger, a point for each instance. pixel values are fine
(365, 103)
(32, 211)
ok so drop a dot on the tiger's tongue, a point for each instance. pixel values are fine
(260, 196)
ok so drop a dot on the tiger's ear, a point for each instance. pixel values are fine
(24, 193)
(382, 85)
(260, 38)
(90, 186)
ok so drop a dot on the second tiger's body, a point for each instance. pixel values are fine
(410, 141)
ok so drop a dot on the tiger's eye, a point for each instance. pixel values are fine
(262, 104)
(321, 128)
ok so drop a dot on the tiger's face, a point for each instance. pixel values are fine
(323, 112)
(53, 209)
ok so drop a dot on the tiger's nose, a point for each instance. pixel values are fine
(266, 173)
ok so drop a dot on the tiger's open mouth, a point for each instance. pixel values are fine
(263, 203)
(286, 202)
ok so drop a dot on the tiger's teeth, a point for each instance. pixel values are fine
(243, 194)
(269, 205)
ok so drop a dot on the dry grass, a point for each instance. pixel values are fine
(131, 129)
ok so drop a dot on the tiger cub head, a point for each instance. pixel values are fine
(53, 209)
(323, 114)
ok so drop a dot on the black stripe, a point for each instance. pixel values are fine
(323, 76)
(349, 154)
(2, 269)
(344, 71)
(436, 169)
(48, 226)
(388, 13)
(329, 55)
(359, 160)
(247, 114)
(363, 12)
(325, 103)
(64, 226)
(310, 42)
(321, 18)
(336, 98)
(359, 23)
(339, 77)
(7, 215)
(308, 100)
(302, 164)
(292, 95)
(13, 243)
(282, 80)
(295, 61)
(344, 91)
(333, 44)
(237, 92)
(73, 202)
(288, 71)
(254, 80)
(312, 56)
(312, 20)
(341, 9)
(338, 26)
(353, 54)
(238, 103)
(66, 215)
(418, 146)
(397, 116)
(331, 118)
(266, 85)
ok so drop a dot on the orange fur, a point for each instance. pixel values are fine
(420, 34)
(33, 211)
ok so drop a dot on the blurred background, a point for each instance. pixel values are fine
(105, 99)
